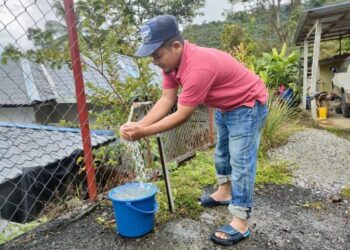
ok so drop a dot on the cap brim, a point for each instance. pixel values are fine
(148, 49)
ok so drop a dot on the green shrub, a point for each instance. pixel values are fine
(187, 182)
(275, 131)
(278, 68)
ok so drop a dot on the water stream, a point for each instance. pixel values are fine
(137, 157)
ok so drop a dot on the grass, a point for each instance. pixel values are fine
(273, 173)
(343, 133)
(13, 229)
(189, 180)
(187, 184)
(313, 205)
(281, 122)
(345, 192)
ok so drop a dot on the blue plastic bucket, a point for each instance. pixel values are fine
(134, 207)
(288, 95)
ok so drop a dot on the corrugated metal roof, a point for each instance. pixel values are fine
(27, 146)
(10, 91)
(22, 86)
(335, 20)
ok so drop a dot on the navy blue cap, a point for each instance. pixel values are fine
(155, 32)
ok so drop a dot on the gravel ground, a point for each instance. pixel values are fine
(284, 218)
(322, 160)
(298, 216)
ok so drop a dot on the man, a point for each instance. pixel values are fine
(212, 77)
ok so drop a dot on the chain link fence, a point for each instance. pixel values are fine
(58, 142)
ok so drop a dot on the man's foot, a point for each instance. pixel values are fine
(223, 193)
(238, 224)
(207, 201)
(221, 196)
(232, 236)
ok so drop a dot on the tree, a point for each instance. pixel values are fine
(106, 28)
(206, 34)
(281, 16)
(232, 36)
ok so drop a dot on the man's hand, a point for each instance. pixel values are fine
(131, 131)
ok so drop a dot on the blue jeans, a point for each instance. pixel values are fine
(238, 139)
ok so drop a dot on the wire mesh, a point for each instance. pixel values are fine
(42, 164)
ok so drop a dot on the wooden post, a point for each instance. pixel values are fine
(305, 73)
(166, 176)
(211, 125)
(314, 71)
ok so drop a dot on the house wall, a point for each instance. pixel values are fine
(325, 83)
(54, 113)
(43, 114)
(17, 114)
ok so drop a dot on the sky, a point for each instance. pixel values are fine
(213, 10)
(16, 16)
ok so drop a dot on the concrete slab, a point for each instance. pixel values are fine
(335, 120)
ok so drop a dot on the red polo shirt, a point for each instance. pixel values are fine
(214, 78)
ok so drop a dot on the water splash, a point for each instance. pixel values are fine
(134, 192)
(137, 157)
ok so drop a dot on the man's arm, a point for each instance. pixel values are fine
(161, 108)
(171, 121)
(135, 131)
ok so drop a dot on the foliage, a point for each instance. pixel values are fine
(277, 20)
(187, 183)
(238, 42)
(279, 68)
(105, 28)
(232, 36)
(280, 18)
(10, 52)
(313, 205)
(346, 44)
(13, 229)
(345, 192)
(275, 131)
(330, 48)
(206, 34)
(243, 54)
(272, 173)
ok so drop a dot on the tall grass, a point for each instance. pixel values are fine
(277, 129)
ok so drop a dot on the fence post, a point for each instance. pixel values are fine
(211, 125)
(80, 95)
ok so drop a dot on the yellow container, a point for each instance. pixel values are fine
(322, 112)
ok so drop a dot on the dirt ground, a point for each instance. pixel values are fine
(285, 217)
(298, 216)
(335, 121)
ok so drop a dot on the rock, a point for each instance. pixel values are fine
(336, 198)
(207, 218)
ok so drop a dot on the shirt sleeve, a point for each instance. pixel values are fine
(196, 86)
(169, 81)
